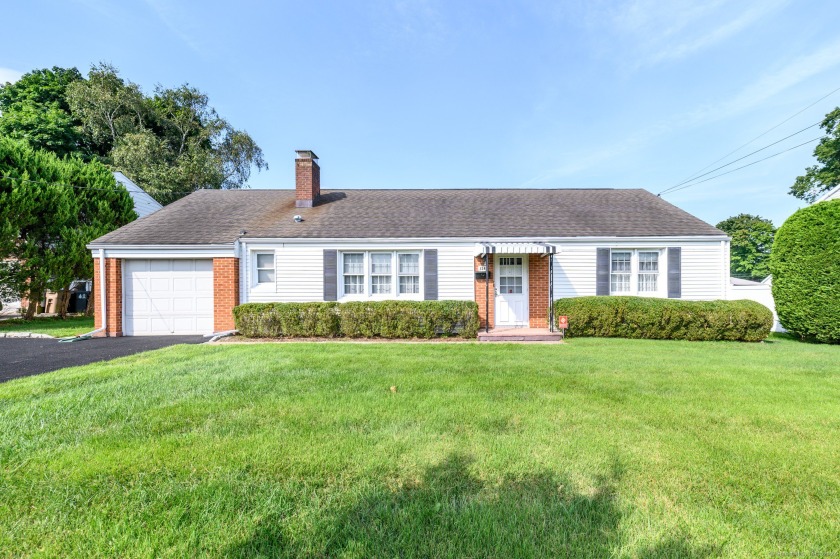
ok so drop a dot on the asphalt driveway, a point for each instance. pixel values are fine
(21, 357)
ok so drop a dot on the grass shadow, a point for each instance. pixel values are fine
(452, 513)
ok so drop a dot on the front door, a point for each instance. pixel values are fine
(511, 290)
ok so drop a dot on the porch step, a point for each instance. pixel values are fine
(520, 335)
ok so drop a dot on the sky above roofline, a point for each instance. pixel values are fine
(434, 94)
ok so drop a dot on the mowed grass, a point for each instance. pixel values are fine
(593, 448)
(53, 326)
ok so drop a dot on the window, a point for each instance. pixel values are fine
(381, 274)
(634, 272)
(265, 267)
(409, 271)
(354, 273)
(648, 270)
(510, 274)
(620, 272)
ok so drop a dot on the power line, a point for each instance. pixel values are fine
(694, 175)
(737, 160)
(747, 165)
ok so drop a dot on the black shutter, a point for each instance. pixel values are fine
(602, 272)
(330, 275)
(430, 275)
(674, 272)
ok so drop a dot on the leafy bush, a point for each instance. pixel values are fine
(382, 319)
(273, 320)
(805, 263)
(665, 319)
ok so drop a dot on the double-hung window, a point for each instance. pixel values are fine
(264, 267)
(634, 271)
(354, 273)
(409, 272)
(648, 270)
(380, 274)
(620, 271)
(381, 277)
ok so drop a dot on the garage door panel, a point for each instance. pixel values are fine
(168, 297)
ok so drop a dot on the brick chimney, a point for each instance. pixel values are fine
(307, 179)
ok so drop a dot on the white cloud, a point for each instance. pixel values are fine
(750, 97)
(9, 75)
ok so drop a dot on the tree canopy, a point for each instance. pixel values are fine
(752, 240)
(50, 209)
(825, 176)
(171, 142)
(35, 109)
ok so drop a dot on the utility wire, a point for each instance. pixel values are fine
(694, 175)
(737, 160)
(747, 165)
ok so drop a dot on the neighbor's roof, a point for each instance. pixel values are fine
(218, 216)
(143, 203)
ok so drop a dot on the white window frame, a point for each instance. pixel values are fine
(635, 272)
(368, 294)
(255, 270)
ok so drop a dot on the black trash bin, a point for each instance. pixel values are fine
(78, 301)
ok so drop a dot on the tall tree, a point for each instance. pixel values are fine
(825, 176)
(172, 143)
(35, 109)
(752, 239)
(50, 208)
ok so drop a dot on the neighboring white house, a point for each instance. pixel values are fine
(832, 194)
(760, 292)
(183, 269)
(143, 203)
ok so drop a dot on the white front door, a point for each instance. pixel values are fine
(511, 273)
(167, 297)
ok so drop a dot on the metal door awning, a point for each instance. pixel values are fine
(515, 248)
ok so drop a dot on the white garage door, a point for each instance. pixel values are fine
(168, 297)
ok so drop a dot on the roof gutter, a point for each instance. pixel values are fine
(104, 304)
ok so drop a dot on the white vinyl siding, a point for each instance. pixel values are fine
(703, 275)
(705, 272)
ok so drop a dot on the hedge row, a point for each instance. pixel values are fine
(380, 319)
(665, 319)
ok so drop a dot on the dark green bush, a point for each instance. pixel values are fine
(805, 263)
(665, 319)
(379, 319)
(274, 320)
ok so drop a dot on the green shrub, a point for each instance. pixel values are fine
(379, 319)
(805, 263)
(274, 320)
(665, 319)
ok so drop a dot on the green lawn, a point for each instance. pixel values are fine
(56, 327)
(594, 448)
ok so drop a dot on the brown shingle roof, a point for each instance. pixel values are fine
(218, 216)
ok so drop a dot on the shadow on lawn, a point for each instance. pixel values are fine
(451, 513)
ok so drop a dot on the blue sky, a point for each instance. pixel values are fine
(455, 94)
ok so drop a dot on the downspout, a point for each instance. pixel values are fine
(486, 294)
(551, 292)
(104, 303)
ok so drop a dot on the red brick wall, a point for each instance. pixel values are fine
(307, 182)
(113, 297)
(479, 293)
(538, 291)
(225, 292)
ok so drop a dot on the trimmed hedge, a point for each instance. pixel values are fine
(805, 263)
(665, 319)
(379, 319)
